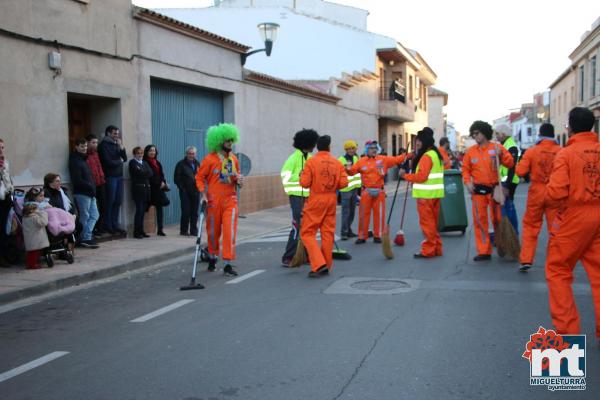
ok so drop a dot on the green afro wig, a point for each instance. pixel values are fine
(219, 134)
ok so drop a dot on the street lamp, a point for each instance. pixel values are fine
(268, 33)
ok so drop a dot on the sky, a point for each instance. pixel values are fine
(490, 56)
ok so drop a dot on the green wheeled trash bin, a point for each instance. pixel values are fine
(453, 208)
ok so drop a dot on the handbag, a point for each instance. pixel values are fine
(163, 199)
(498, 193)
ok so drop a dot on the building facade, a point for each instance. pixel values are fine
(66, 73)
(562, 99)
(436, 115)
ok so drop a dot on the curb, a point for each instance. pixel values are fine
(90, 276)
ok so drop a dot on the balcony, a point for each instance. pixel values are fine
(394, 105)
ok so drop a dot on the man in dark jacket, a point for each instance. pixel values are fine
(112, 156)
(185, 179)
(84, 192)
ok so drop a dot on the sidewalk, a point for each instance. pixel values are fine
(120, 256)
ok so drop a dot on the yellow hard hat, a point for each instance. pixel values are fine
(349, 144)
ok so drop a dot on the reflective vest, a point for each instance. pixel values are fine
(433, 187)
(354, 181)
(508, 143)
(290, 174)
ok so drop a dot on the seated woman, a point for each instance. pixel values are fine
(56, 194)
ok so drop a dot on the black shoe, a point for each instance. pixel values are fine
(419, 255)
(228, 270)
(320, 272)
(285, 263)
(89, 244)
(524, 267)
(482, 257)
(376, 240)
(184, 234)
(144, 234)
(138, 236)
(344, 236)
(360, 241)
(160, 233)
(120, 232)
(193, 233)
(212, 265)
(352, 234)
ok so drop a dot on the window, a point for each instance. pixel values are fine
(581, 83)
(564, 102)
(560, 104)
(593, 76)
(572, 96)
(529, 131)
(410, 89)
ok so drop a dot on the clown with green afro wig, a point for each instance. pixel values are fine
(219, 134)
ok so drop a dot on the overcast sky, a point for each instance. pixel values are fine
(490, 56)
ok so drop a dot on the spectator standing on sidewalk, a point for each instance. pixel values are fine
(93, 161)
(140, 173)
(84, 192)
(185, 179)
(112, 155)
(158, 186)
(6, 188)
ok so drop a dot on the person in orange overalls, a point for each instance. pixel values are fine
(373, 168)
(480, 175)
(219, 171)
(428, 191)
(537, 162)
(443, 150)
(324, 175)
(575, 233)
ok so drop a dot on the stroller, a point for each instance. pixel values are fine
(61, 244)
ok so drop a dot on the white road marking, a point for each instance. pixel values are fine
(246, 276)
(162, 311)
(31, 365)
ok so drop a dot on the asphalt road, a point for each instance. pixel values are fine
(453, 330)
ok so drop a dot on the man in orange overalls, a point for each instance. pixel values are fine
(480, 175)
(537, 162)
(373, 168)
(323, 174)
(575, 233)
(443, 149)
(220, 171)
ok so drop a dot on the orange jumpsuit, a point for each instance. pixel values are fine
(575, 234)
(372, 171)
(445, 159)
(323, 174)
(222, 212)
(479, 167)
(537, 161)
(429, 211)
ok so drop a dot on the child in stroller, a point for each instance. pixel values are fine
(59, 228)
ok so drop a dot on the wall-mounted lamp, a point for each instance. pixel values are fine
(268, 33)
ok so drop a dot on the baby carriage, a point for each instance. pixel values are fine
(15, 245)
(61, 243)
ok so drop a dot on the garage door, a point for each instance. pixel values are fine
(180, 117)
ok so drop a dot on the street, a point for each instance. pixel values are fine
(444, 328)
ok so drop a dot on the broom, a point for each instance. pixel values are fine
(387, 245)
(340, 254)
(399, 239)
(506, 239)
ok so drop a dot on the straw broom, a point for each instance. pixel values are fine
(506, 239)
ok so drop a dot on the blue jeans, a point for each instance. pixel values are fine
(88, 214)
(114, 197)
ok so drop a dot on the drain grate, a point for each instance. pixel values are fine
(380, 284)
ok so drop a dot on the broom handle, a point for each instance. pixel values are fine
(393, 202)
(404, 206)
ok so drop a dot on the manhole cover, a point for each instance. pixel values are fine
(380, 284)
